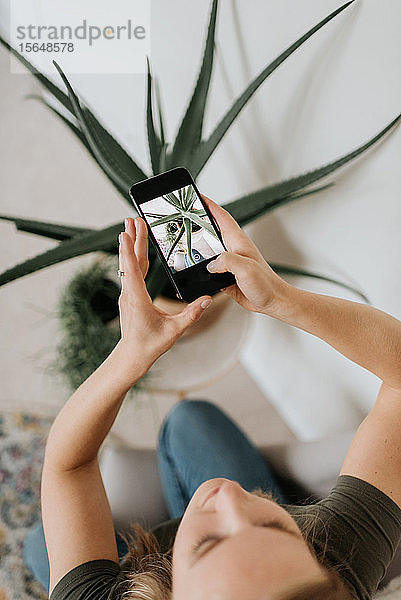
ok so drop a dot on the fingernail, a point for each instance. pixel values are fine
(121, 238)
(206, 303)
(126, 224)
(211, 266)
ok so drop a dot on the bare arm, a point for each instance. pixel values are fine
(84, 421)
(146, 332)
(367, 336)
(77, 519)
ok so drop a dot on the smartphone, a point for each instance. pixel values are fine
(182, 228)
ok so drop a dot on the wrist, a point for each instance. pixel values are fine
(283, 302)
(132, 363)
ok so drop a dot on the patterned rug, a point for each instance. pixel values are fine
(22, 445)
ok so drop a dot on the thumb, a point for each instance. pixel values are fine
(191, 313)
(229, 261)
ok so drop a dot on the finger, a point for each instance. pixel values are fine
(231, 232)
(130, 228)
(235, 293)
(191, 313)
(132, 282)
(141, 245)
(229, 289)
(231, 262)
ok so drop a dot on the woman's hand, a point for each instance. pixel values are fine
(146, 331)
(258, 287)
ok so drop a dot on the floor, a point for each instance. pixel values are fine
(237, 394)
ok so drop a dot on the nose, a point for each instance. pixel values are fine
(232, 501)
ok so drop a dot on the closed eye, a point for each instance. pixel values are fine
(275, 524)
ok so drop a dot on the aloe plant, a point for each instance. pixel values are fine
(186, 218)
(189, 149)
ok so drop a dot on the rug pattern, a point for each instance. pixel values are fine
(22, 444)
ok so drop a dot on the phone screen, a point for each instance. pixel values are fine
(182, 228)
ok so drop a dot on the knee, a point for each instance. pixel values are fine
(186, 414)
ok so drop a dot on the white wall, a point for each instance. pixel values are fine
(338, 90)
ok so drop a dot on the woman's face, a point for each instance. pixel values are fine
(250, 559)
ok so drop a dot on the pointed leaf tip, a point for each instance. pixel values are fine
(190, 130)
(59, 69)
(205, 148)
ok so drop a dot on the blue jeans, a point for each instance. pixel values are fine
(197, 441)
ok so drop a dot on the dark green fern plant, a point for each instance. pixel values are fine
(89, 327)
(189, 149)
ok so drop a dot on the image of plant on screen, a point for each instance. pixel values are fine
(182, 228)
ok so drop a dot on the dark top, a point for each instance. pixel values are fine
(360, 525)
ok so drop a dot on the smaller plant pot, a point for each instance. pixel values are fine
(104, 300)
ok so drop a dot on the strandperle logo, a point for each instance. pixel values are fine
(102, 37)
(84, 31)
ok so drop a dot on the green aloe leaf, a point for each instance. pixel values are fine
(93, 241)
(117, 156)
(186, 197)
(166, 219)
(181, 197)
(173, 200)
(253, 205)
(177, 239)
(160, 113)
(49, 85)
(102, 156)
(76, 130)
(252, 215)
(155, 215)
(207, 147)
(190, 131)
(194, 217)
(120, 156)
(192, 196)
(163, 158)
(154, 142)
(176, 216)
(188, 231)
(80, 135)
(303, 193)
(287, 270)
(54, 231)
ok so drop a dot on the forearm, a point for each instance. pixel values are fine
(367, 336)
(84, 421)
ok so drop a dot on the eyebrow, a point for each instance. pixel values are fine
(274, 525)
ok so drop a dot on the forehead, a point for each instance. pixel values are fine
(253, 560)
(255, 545)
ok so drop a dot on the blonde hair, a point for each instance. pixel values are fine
(149, 576)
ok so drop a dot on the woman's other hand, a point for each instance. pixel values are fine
(146, 331)
(258, 288)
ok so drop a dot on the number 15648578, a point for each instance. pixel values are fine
(47, 47)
